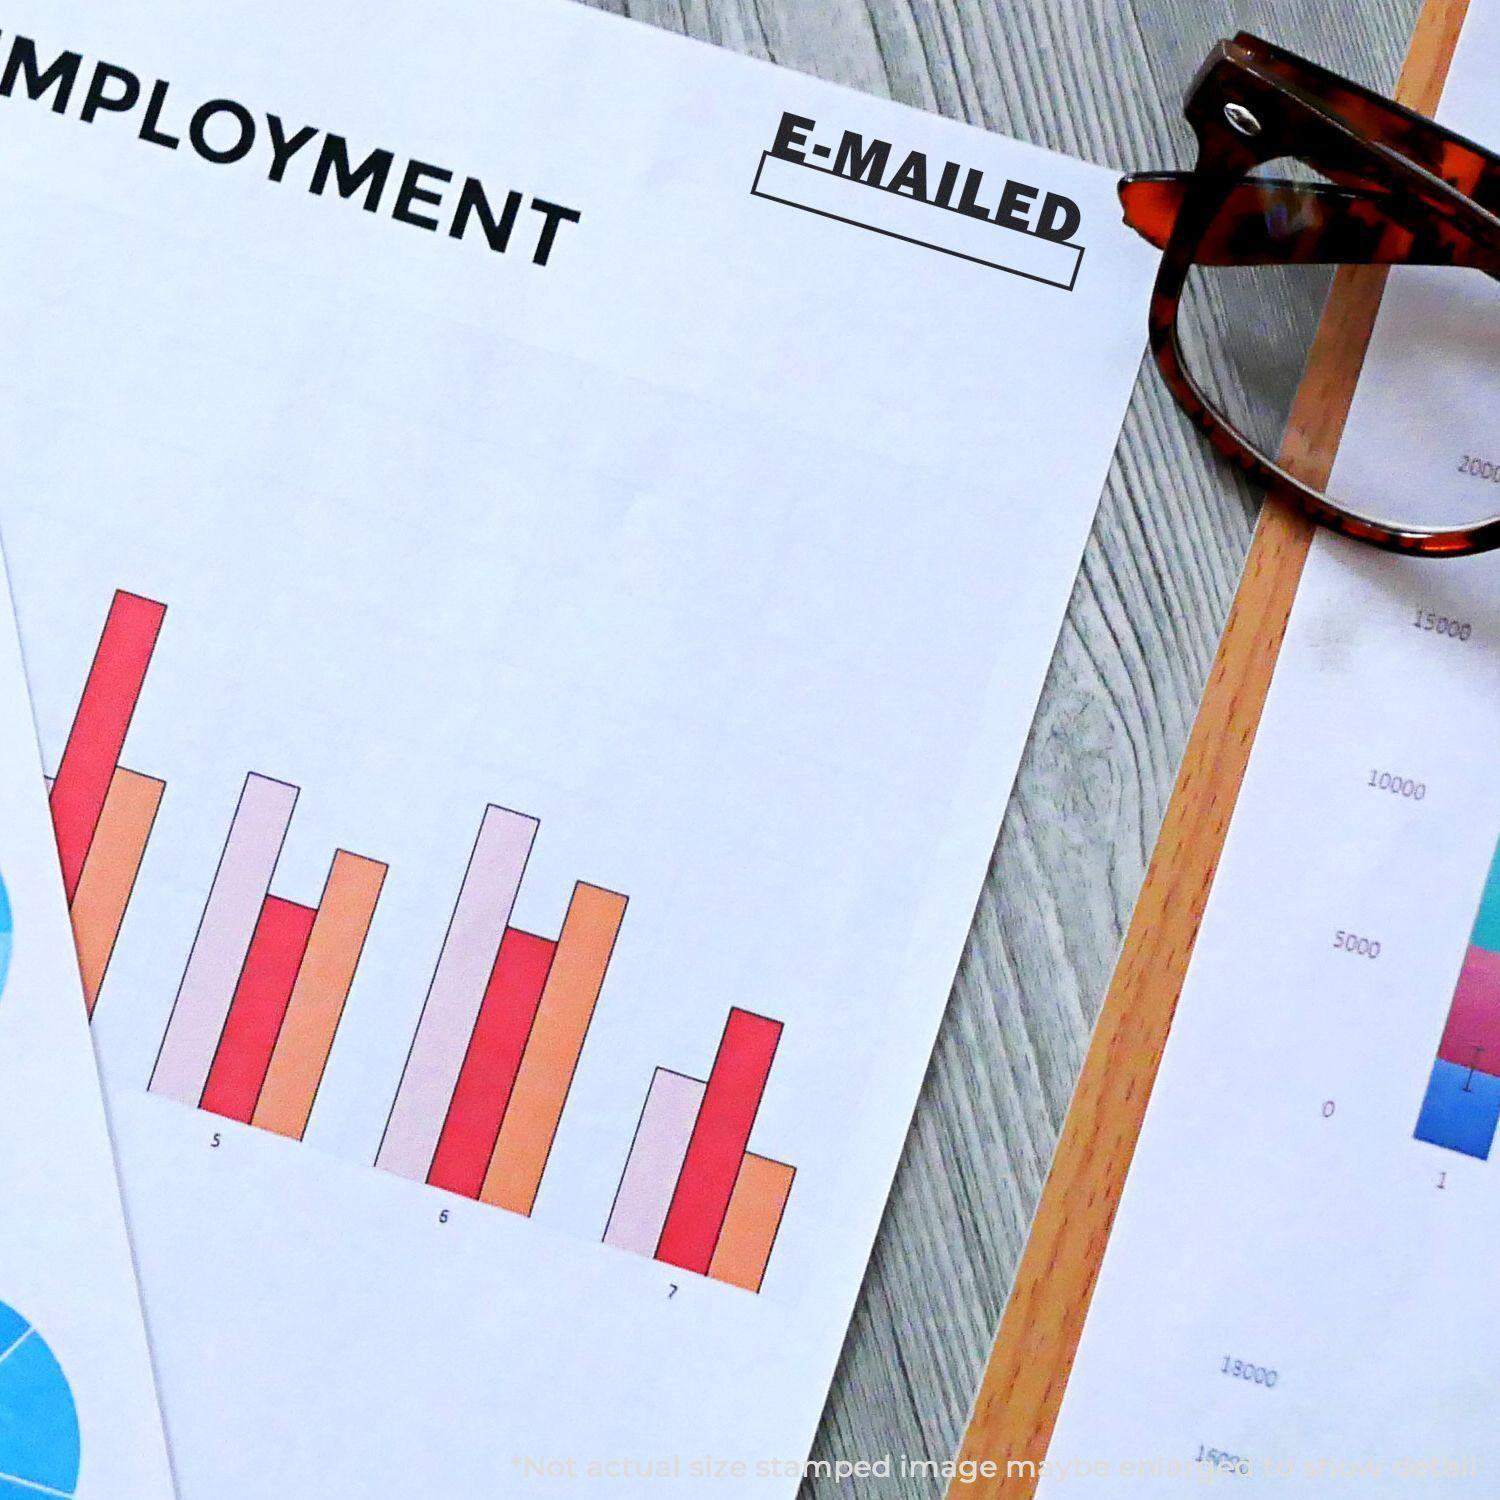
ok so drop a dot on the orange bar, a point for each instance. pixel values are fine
(562, 1021)
(750, 1226)
(317, 1004)
(109, 871)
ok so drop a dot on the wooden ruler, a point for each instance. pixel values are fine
(1022, 1388)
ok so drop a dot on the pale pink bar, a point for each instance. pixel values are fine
(479, 920)
(213, 967)
(656, 1156)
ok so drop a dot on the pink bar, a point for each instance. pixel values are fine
(479, 920)
(1472, 1036)
(656, 1155)
(213, 967)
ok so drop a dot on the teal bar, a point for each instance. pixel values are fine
(1487, 923)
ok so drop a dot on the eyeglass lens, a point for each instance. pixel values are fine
(1245, 334)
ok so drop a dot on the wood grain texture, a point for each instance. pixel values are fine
(1103, 79)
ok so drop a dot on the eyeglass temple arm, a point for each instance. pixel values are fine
(1454, 158)
(1269, 221)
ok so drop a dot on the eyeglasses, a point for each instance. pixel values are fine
(1300, 171)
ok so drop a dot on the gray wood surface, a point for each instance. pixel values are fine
(1102, 79)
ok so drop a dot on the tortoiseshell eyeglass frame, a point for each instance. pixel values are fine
(1400, 190)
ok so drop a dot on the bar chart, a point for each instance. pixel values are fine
(102, 812)
(501, 1031)
(266, 981)
(1461, 1108)
(692, 1194)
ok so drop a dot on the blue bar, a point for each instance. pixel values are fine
(1487, 923)
(1461, 1110)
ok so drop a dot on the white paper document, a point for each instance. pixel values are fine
(78, 1411)
(1299, 1293)
(537, 544)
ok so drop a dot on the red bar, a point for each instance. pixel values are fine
(260, 1001)
(99, 727)
(719, 1140)
(491, 1063)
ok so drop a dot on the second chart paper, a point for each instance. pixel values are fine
(1299, 1294)
(537, 589)
(78, 1409)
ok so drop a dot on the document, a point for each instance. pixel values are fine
(537, 544)
(78, 1410)
(1298, 1290)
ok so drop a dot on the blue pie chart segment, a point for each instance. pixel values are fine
(5, 932)
(39, 1444)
